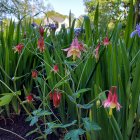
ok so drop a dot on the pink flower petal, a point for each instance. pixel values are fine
(67, 49)
(69, 53)
(79, 55)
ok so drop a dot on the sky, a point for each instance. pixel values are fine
(64, 6)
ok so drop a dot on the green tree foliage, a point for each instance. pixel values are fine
(53, 13)
(109, 10)
(20, 8)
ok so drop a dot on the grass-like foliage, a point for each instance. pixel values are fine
(83, 83)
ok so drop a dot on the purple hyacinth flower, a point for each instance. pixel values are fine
(137, 31)
(78, 31)
(53, 26)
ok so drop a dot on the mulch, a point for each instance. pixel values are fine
(18, 125)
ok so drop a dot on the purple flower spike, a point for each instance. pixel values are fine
(133, 33)
(137, 31)
(53, 26)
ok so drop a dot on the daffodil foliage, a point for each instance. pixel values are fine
(73, 83)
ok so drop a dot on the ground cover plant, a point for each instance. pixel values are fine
(74, 84)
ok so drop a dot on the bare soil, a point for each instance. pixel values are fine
(18, 125)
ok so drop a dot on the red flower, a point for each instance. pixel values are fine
(41, 31)
(55, 68)
(34, 74)
(112, 100)
(18, 48)
(81, 47)
(29, 98)
(106, 41)
(56, 97)
(51, 96)
(74, 49)
(41, 44)
(97, 52)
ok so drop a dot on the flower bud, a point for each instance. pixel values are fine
(98, 103)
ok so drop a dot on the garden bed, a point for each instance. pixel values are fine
(17, 125)
(73, 84)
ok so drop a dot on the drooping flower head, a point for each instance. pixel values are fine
(137, 31)
(81, 46)
(106, 41)
(55, 68)
(97, 52)
(34, 74)
(18, 48)
(41, 31)
(41, 44)
(56, 97)
(29, 98)
(112, 100)
(51, 96)
(75, 49)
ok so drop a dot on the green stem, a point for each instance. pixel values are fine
(14, 93)
(44, 109)
(133, 60)
(26, 110)
(82, 72)
(115, 127)
(98, 96)
(12, 133)
(79, 116)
